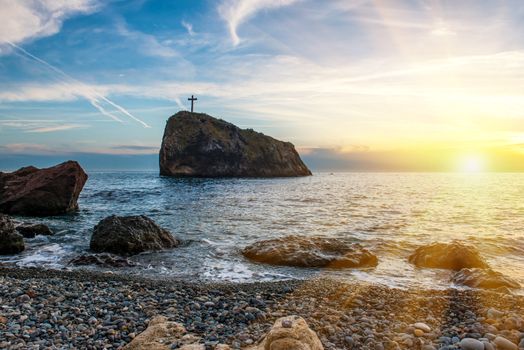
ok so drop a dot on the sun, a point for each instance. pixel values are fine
(472, 163)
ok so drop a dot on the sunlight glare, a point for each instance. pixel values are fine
(472, 164)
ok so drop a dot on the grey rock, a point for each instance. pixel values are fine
(128, 235)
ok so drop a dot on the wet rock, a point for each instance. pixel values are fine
(305, 251)
(11, 242)
(32, 230)
(297, 337)
(104, 260)
(484, 278)
(453, 256)
(42, 192)
(127, 235)
(198, 145)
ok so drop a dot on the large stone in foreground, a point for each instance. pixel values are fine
(303, 251)
(484, 278)
(42, 192)
(128, 235)
(11, 242)
(290, 333)
(198, 145)
(453, 256)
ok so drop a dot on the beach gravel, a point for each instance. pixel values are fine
(43, 309)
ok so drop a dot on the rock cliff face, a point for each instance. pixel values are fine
(198, 145)
(42, 192)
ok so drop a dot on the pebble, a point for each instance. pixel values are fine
(503, 344)
(471, 344)
(424, 327)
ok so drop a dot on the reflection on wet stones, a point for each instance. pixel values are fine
(484, 278)
(454, 256)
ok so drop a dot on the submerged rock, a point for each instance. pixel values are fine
(484, 278)
(453, 256)
(42, 192)
(198, 145)
(127, 235)
(11, 242)
(290, 333)
(305, 251)
(104, 260)
(32, 230)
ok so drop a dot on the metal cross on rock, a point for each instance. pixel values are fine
(192, 99)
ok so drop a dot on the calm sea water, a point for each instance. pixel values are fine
(391, 214)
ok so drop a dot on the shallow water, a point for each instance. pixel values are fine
(391, 214)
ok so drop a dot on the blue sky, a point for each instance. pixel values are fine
(341, 79)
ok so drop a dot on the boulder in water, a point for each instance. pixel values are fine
(198, 145)
(290, 333)
(11, 242)
(484, 278)
(42, 192)
(303, 251)
(453, 256)
(32, 230)
(127, 235)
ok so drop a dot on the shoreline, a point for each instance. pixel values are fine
(92, 310)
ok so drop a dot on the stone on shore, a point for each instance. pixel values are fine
(471, 344)
(42, 192)
(484, 278)
(290, 333)
(198, 145)
(32, 230)
(452, 256)
(303, 251)
(162, 334)
(504, 344)
(11, 242)
(128, 235)
(103, 260)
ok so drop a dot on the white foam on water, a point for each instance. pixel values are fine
(236, 272)
(47, 255)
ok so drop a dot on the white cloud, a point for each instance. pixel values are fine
(236, 12)
(28, 19)
(189, 27)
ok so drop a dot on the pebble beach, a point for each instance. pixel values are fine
(47, 309)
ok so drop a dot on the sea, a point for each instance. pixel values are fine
(391, 214)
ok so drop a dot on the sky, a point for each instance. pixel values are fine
(355, 85)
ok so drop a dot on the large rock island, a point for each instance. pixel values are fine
(198, 145)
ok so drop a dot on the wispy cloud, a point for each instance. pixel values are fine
(25, 20)
(40, 125)
(147, 44)
(93, 96)
(189, 27)
(236, 12)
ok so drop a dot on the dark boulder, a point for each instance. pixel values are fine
(484, 278)
(32, 230)
(453, 256)
(42, 192)
(103, 260)
(198, 145)
(128, 235)
(303, 251)
(11, 242)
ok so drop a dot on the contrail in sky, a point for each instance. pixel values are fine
(93, 95)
